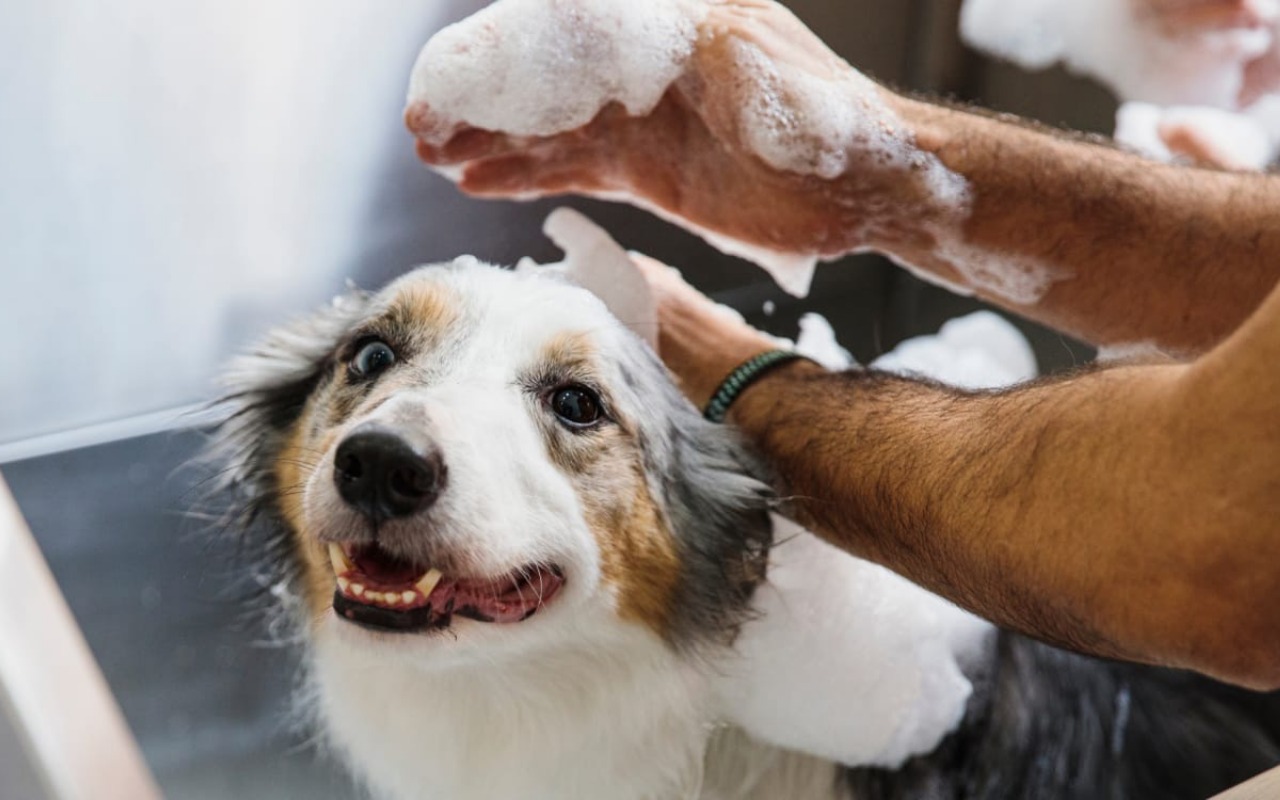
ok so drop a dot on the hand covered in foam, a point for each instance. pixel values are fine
(730, 117)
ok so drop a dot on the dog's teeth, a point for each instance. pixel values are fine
(408, 597)
(428, 582)
(341, 564)
(357, 589)
(344, 584)
(375, 596)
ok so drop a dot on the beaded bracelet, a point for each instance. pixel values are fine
(743, 376)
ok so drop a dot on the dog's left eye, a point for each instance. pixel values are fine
(375, 356)
(576, 406)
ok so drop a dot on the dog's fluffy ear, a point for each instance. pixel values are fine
(265, 393)
(715, 503)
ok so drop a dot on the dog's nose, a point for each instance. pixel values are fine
(383, 476)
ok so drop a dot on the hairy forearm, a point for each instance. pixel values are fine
(1064, 510)
(1135, 252)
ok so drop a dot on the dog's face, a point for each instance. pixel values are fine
(475, 461)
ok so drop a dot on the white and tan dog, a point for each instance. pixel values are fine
(528, 568)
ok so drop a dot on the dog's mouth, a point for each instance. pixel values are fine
(379, 590)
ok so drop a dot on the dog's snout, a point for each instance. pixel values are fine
(383, 476)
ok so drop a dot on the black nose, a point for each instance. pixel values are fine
(383, 476)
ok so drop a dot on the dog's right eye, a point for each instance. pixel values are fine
(373, 357)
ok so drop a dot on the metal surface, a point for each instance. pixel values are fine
(180, 176)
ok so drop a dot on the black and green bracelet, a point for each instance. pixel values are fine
(743, 376)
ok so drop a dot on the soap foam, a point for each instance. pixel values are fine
(817, 340)
(540, 67)
(837, 632)
(1017, 279)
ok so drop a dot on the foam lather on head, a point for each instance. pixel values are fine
(540, 67)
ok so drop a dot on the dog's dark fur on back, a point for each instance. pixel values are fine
(1045, 723)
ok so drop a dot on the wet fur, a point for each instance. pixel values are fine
(1042, 723)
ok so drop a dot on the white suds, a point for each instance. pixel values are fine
(539, 67)
(980, 351)
(1018, 279)
(798, 122)
(817, 340)
(1132, 353)
(847, 660)
(792, 272)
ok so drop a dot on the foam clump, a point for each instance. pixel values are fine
(817, 340)
(848, 660)
(540, 67)
(980, 351)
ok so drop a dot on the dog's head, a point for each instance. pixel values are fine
(483, 461)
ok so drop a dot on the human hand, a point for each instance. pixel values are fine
(1196, 16)
(700, 342)
(798, 184)
(1261, 74)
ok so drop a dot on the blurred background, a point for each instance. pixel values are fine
(176, 178)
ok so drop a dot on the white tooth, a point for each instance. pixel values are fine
(375, 596)
(429, 581)
(408, 597)
(341, 564)
(344, 584)
(357, 589)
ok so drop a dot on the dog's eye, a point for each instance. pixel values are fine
(576, 406)
(372, 358)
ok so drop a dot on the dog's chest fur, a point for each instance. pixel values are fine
(629, 723)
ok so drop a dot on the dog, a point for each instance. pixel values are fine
(524, 566)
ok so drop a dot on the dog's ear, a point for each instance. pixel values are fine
(266, 391)
(716, 505)
(594, 261)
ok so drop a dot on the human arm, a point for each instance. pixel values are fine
(1134, 251)
(1129, 512)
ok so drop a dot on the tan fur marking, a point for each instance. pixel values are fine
(637, 553)
(425, 306)
(571, 352)
(293, 468)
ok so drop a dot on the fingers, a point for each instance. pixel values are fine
(1201, 149)
(1191, 16)
(1261, 77)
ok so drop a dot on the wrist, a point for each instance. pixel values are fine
(755, 407)
(907, 193)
